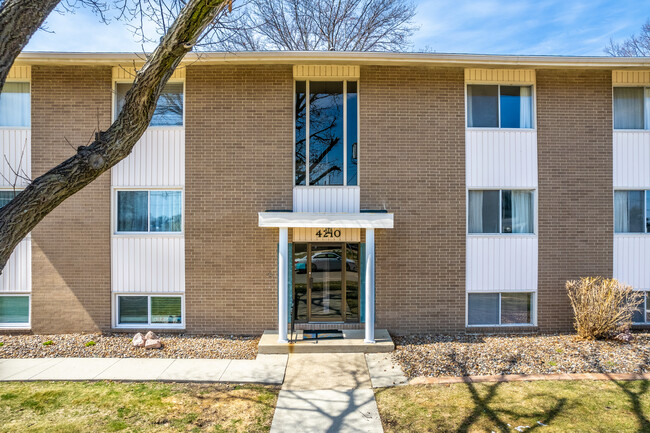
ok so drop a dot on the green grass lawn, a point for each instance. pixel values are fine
(134, 407)
(572, 406)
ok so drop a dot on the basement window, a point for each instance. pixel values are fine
(149, 310)
(493, 309)
(14, 311)
(642, 313)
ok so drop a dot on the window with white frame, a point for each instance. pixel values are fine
(15, 105)
(642, 313)
(6, 195)
(497, 106)
(501, 211)
(149, 211)
(631, 108)
(632, 211)
(169, 109)
(14, 308)
(326, 133)
(149, 310)
(505, 308)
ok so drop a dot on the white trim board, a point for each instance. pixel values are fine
(338, 220)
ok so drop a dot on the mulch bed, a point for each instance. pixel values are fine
(119, 346)
(476, 355)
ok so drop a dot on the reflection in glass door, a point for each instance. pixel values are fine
(326, 282)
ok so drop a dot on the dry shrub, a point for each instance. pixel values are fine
(603, 307)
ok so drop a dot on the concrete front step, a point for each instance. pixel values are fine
(352, 342)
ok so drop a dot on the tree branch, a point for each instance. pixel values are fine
(46, 192)
(19, 19)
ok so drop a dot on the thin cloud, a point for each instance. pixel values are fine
(578, 27)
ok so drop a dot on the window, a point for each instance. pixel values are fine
(631, 212)
(489, 309)
(14, 310)
(501, 211)
(642, 313)
(169, 110)
(6, 196)
(496, 106)
(326, 133)
(15, 105)
(631, 108)
(149, 310)
(149, 211)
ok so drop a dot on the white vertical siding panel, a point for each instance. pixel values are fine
(326, 199)
(148, 264)
(501, 158)
(13, 158)
(632, 260)
(17, 274)
(631, 159)
(157, 160)
(501, 263)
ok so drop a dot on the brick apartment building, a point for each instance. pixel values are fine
(414, 192)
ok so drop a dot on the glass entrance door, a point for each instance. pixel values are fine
(326, 282)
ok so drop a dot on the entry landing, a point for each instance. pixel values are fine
(352, 342)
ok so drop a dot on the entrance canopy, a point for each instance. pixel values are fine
(368, 220)
(364, 220)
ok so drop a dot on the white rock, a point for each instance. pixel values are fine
(138, 340)
(151, 336)
(152, 344)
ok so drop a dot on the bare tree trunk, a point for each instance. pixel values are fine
(45, 193)
(19, 20)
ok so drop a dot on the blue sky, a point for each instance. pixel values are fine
(560, 27)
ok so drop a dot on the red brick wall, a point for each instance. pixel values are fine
(239, 161)
(71, 246)
(575, 199)
(412, 163)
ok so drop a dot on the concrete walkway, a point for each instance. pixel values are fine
(321, 392)
(265, 369)
(332, 392)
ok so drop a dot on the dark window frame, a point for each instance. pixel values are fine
(349, 151)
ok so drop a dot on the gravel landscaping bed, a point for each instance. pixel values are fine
(468, 355)
(119, 346)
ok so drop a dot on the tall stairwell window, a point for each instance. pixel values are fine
(326, 133)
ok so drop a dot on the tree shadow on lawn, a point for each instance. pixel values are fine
(482, 404)
(628, 387)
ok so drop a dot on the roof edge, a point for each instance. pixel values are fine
(330, 57)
